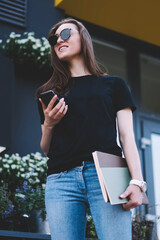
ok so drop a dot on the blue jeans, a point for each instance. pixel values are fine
(67, 196)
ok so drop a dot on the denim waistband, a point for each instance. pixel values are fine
(85, 164)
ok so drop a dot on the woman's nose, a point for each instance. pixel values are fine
(60, 40)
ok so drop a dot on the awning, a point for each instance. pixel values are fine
(136, 18)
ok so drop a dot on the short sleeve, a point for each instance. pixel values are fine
(40, 110)
(123, 98)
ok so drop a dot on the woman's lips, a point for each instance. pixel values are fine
(62, 47)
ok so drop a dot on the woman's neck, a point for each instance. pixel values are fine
(78, 68)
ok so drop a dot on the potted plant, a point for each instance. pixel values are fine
(27, 51)
(6, 207)
(142, 228)
(26, 177)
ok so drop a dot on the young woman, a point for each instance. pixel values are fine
(82, 122)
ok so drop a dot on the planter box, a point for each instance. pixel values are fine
(13, 235)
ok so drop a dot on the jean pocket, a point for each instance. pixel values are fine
(54, 176)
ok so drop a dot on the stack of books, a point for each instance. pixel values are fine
(114, 177)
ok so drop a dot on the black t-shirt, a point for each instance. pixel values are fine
(90, 122)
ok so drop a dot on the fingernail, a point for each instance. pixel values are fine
(121, 195)
(62, 99)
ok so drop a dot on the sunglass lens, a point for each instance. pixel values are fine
(65, 34)
(52, 40)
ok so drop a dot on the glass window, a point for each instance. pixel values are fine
(113, 58)
(150, 83)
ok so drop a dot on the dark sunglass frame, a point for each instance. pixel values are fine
(64, 34)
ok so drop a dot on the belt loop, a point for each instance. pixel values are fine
(83, 164)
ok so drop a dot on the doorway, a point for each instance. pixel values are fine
(150, 145)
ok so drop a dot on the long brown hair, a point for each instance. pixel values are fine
(60, 79)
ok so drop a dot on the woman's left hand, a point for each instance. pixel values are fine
(134, 194)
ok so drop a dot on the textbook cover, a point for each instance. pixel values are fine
(114, 177)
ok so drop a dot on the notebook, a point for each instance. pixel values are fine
(114, 177)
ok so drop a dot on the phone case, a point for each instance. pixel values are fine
(47, 96)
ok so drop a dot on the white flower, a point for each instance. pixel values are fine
(20, 195)
(38, 157)
(27, 175)
(43, 49)
(37, 154)
(17, 35)
(6, 166)
(30, 169)
(34, 46)
(31, 34)
(37, 180)
(23, 175)
(4, 160)
(32, 39)
(37, 45)
(12, 35)
(22, 169)
(18, 174)
(31, 160)
(22, 41)
(10, 161)
(30, 180)
(35, 174)
(13, 166)
(44, 39)
(25, 215)
(25, 158)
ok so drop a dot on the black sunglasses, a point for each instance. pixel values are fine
(64, 34)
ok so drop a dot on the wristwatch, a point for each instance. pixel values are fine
(141, 184)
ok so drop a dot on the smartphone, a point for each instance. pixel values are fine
(47, 96)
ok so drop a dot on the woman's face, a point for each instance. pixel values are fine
(67, 50)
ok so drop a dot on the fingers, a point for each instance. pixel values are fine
(59, 110)
(51, 103)
(42, 103)
(125, 194)
(135, 197)
(62, 111)
(131, 204)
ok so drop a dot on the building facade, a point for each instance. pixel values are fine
(126, 40)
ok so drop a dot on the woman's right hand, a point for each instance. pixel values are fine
(54, 115)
